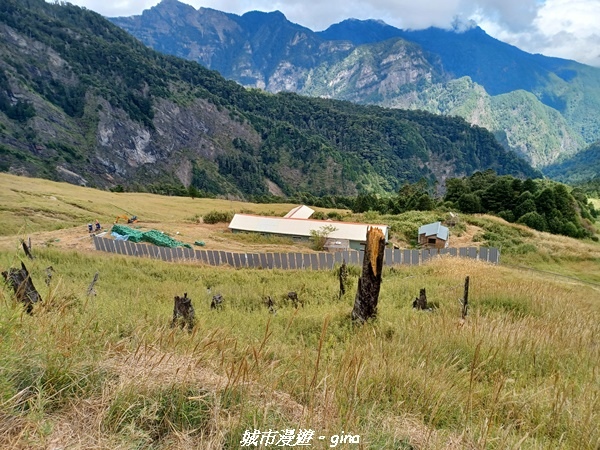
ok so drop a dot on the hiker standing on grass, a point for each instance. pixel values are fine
(98, 227)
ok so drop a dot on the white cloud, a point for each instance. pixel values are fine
(563, 28)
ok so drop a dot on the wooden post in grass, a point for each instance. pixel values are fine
(367, 295)
(465, 300)
(21, 283)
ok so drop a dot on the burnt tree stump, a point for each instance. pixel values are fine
(183, 312)
(21, 283)
(270, 304)
(216, 302)
(293, 297)
(369, 284)
(343, 278)
(420, 302)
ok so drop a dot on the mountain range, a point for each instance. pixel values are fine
(543, 108)
(83, 101)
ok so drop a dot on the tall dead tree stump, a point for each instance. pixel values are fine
(465, 300)
(369, 284)
(25, 291)
(183, 312)
(343, 278)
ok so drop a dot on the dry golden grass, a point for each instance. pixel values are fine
(522, 371)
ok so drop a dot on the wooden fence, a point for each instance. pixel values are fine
(314, 261)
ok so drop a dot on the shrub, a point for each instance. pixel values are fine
(534, 220)
(217, 217)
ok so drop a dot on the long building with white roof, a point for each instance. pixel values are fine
(355, 233)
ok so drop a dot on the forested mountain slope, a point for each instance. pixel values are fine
(543, 108)
(83, 101)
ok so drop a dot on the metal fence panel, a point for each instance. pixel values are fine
(221, 258)
(406, 257)
(277, 260)
(131, 248)
(137, 248)
(354, 258)
(453, 252)
(178, 254)
(120, 245)
(211, 257)
(322, 261)
(494, 255)
(329, 262)
(228, 259)
(144, 250)
(462, 252)
(251, 260)
(425, 255)
(388, 257)
(237, 261)
(270, 260)
(300, 262)
(338, 257)
(314, 261)
(483, 253)
(292, 261)
(263, 260)
(305, 261)
(397, 256)
(284, 261)
(472, 252)
(255, 260)
(414, 257)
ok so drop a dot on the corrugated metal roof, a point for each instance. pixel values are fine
(302, 227)
(435, 229)
(300, 212)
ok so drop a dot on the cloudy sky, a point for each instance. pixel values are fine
(563, 28)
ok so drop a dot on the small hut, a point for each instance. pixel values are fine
(434, 235)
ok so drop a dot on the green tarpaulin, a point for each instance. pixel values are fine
(153, 236)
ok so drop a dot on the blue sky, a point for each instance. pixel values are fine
(563, 28)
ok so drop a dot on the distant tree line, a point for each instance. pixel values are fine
(543, 205)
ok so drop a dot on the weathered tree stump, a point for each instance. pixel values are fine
(270, 304)
(343, 275)
(216, 302)
(183, 312)
(293, 297)
(420, 302)
(21, 283)
(369, 284)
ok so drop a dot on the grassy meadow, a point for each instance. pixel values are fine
(106, 370)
